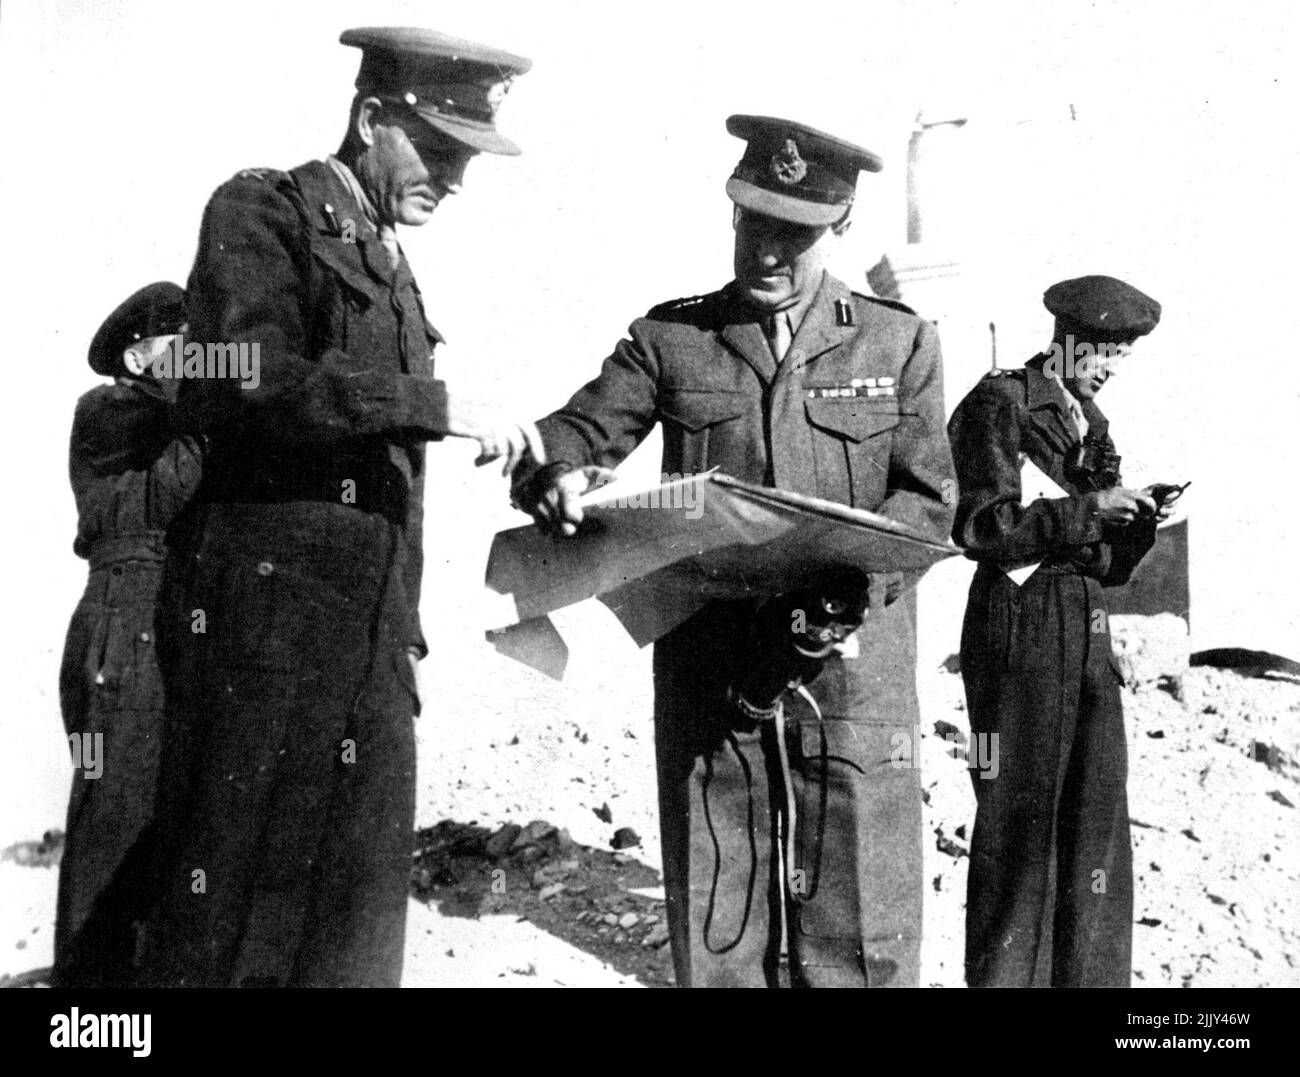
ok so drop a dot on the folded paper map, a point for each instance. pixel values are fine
(657, 556)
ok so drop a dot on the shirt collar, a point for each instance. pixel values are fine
(350, 181)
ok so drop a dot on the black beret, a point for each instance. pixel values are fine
(1103, 305)
(794, 172)
(155, 310)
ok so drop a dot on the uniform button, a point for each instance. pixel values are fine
(144, 637)
(265, 568)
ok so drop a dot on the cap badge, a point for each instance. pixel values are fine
(787, 166)
(497, 93)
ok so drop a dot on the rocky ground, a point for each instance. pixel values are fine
(537, 851)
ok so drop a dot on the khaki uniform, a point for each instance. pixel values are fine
(853, 413)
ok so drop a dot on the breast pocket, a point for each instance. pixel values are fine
(851, 444)
(701, 428)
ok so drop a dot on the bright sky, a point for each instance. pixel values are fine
(1176, 172)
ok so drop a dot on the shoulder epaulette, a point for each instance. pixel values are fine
(266, 175)
(674, 305)
(893, 303)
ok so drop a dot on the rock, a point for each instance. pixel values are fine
(656, 936)
(951, 664)
(1188, 834)
(628, 920)
(548, 874)
(1268, 754)
(650, 918)
(1149, 648)
(1172, 685)
(610, 919)
(949, 732)
(533, 833)
(625, 838)
(1150, 921)
(499, 843)
(947, 845)
(603, 813)
(1156, 734)
(548, 892)
(1273, 794)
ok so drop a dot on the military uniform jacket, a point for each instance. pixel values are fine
(288, 262)
(131, 477)
(1011, 415)
(853, 413)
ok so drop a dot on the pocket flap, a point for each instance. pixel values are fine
(694, 409)
(855, 418)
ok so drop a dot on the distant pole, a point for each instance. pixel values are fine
(993, 340)
(919, 128)
(913, 195)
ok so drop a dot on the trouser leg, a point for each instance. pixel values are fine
(716, 813)
(719, 862)
(1094, 913)
(258, 785)
(856, 890)
(356, 926)
(1022, 662)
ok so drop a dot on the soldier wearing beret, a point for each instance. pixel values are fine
(132, 476)
(1050, 894)
(289, 777)
(788, 378)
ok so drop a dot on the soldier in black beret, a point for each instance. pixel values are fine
(1043, 511)
(291, 642)
(788, 378)
(132, 476)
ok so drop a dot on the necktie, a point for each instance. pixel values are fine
(779, 335)
(1080, 423)
(388, 237)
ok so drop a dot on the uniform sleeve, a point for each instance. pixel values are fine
(922, 487)
(250, 285)
(1127, 546)
(985, 435)
(118, 428)
(612, 414)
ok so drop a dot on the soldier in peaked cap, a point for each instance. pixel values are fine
(293, 630)
(1050, 893)
(787, 378)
